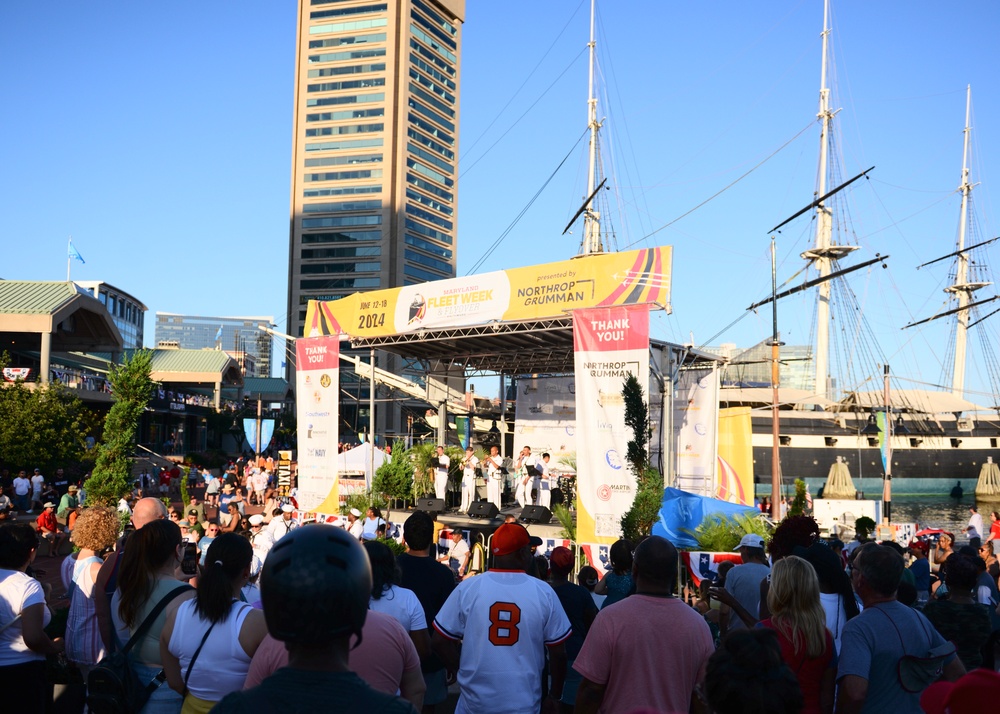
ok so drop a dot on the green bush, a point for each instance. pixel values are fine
(798, 507)
(396, 548)
(394, 479)
(363, 501)
(721, 534)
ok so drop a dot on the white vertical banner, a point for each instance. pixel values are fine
(317, 399)
(609, 344)
(546, 418)
(696, 430)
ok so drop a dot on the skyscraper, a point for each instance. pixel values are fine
(375, 147)
(375, 152)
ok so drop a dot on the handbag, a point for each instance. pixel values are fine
(915, 671)
(113, 687)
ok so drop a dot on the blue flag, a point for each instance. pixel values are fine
(72, 252)
(218, 335)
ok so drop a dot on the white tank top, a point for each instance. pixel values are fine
(222, 665)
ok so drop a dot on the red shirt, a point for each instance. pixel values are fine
(47, 521)
(164, 478)
(995, 530)
(808, 670)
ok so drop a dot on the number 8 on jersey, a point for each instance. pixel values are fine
(504, 619)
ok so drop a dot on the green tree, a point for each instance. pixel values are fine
(44, 427)
(394, 478)
(131, 387)
(645, 511)
(798, 507)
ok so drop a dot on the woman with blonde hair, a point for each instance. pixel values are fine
(800, 622)
(95, 534)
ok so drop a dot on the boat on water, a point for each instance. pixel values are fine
(928, 440)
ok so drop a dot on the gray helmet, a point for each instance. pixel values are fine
(315, 585)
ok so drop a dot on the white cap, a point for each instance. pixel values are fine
(287, 508)
(750, 540)
(256, 519)
(356, 513)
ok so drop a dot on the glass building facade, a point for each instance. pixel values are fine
(127, 312)
(373, 201)
(236, 335)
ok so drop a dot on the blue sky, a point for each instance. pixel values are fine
(160, 140)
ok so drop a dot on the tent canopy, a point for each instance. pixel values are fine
(358, 461)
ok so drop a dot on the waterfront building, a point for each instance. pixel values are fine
(126, 311)
(375, 151)
(751, 367)
(235, 335)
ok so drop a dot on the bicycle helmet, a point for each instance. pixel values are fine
(315, 585)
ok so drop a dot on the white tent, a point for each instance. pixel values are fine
(359, 462)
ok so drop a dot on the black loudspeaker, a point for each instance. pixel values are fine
(431, 505)
(535, 514)
(483, 509)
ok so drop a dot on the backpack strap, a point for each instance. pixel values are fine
(154, 613)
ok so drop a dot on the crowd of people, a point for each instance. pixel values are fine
(230, 612)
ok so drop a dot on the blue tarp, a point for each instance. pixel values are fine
(682, 510)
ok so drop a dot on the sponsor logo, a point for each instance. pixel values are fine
(613, 459)
(700, 429)
(324, 381)
(604, 492)
(570, 431)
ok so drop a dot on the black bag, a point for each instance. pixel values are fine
(113, 687)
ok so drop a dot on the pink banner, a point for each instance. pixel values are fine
(317, 397)
(610, 343)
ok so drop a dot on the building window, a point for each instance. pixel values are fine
(421, 274)
(335, 221)
(348, 26)
(341, 237)
(339, 160)
(346, 191)
(350, 40)
(337, 71)
(327, 268)
(346, 114)
(344, 144)
(342, 130)
(353, 99)
(342, 206)
(341, 11)
(418, 242)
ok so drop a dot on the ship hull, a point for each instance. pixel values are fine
(928, 460)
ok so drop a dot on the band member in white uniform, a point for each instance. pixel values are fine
(469, 464)
(441, 474)
(494, 477)
(522, 490)
(545, 482)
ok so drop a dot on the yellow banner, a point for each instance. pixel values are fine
(734, 475)
(531, 293)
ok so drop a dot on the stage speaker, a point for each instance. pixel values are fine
(483, 509)
(431, 505)
(535, 514)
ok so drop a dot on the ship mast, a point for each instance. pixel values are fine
(591, 218)
(963, 289)
(825, 250)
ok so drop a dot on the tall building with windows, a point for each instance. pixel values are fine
(375, 147)
(127, 312)
(236, 335)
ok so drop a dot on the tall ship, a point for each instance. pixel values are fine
(866, 418)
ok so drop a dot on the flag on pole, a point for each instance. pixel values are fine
(74, 253)
(218, 335)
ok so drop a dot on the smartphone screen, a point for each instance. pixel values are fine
(189, 565)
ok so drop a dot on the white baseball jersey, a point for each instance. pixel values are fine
(504, 619)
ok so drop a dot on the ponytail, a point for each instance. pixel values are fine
(227, 558)
(147, 550)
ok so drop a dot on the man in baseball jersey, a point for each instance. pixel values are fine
(504, 619)
(441, 474)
